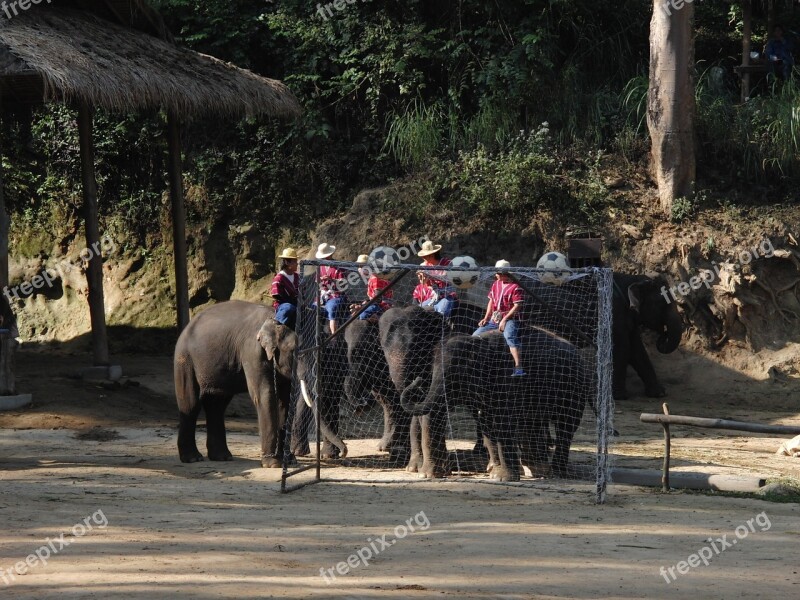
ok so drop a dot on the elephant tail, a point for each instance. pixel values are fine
(323, 424)
(187, 391)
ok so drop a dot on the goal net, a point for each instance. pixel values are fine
(389, 359)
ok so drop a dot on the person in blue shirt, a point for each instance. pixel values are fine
(779, 50)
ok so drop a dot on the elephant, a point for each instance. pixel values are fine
(367, 378)
(515, 412)
(333, 367)
(230, 348)
(408, 337)
(637, 301)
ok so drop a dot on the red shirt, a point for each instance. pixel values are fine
(329, 277)
(376, 284)
(505, 295)
(284, 288)
(438, 279)
(422, 293)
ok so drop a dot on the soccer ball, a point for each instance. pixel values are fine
(464, 279)
(557, 266)
(381, 258)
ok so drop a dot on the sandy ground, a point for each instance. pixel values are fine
(222, 530)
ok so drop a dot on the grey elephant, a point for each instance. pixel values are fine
(408, 337)
(333, 368)
(515, 412)
(368, 379)
(230, 348)
(637, 302)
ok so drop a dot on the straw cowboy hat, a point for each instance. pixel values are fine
(325, 250)
(502, 265)
(362, 259)
(428, 247)
(289, 253)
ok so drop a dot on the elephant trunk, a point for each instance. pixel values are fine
(669, 340)
(419, 408)
(323, 424)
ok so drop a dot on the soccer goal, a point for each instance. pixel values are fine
(388, 363)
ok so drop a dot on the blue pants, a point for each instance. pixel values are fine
(287, 314)
(336, 309)
(375, 309)
(510, 332)
(445, 306)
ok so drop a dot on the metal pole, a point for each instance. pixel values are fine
(94, 272)
(4, 219)
(747, 33)
(317, 384)
(178, 221)
(665, 471)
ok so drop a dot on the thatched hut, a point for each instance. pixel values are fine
(117, 55)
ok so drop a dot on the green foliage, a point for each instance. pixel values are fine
(683, 208)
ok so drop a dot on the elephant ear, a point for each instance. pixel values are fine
(268, 338)
(635, 292)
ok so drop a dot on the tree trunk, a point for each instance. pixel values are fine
(670, 101)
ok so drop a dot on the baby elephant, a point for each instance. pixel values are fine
(231, 348)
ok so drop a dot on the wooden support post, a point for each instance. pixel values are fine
(747, 34)
(178, 222)
(5, 222)
(771, 21)
(665, 468)
(94, 272)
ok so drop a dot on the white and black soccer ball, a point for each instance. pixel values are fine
(464, 279)
(557, 266)
(381, 258)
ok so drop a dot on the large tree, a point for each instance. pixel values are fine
(670, 102)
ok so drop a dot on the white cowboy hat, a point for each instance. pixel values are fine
(288, 253)
(502, 264)
(325, 250)
(428, 247)
(362, 259)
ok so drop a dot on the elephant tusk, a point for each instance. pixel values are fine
(304, 391)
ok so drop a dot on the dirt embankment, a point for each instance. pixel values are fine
(744, 315)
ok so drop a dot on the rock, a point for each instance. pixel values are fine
(632, 231)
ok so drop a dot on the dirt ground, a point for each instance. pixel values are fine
(222, 530)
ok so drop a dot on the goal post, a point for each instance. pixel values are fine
(406, 384)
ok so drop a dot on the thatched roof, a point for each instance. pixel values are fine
(64, 54)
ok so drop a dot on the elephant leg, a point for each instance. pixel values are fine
(188, 396)
(502, 434)
(620, 358)
(491, 448)
(261, 385)
(396, 429)
(216, 443)
(435, 462)
(479, 449)
(301, 426)
(533, 448)
(640, 362)
(565, 433)
(330, 412)
(415, 441)
(187, 446)
(386, 440)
